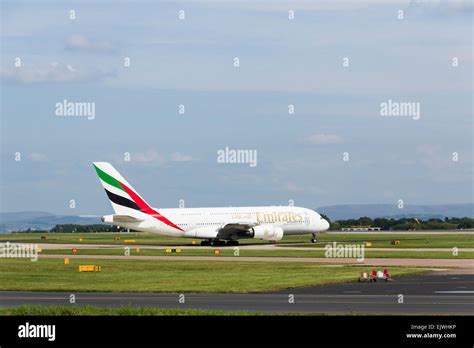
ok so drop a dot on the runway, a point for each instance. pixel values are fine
(403, 232)
(431, 294)
(466, 264)
(51, 246)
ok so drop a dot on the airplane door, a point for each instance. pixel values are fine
(307, 220)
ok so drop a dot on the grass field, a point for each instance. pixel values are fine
(264, 253)
(381, 240)
(142, 238)
(74, 310)
(173, 276)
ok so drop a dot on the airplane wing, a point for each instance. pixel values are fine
(235, 228)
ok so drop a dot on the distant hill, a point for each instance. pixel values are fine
(37, 220)
(354, 211)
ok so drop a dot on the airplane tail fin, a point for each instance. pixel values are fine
(123, 197)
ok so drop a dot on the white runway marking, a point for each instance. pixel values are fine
(455, 292)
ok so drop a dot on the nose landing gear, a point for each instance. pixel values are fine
(315, 238)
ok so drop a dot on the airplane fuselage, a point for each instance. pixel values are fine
(203, 222)
(214, 224)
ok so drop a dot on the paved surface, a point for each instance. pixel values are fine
(427, 294)
(284, 247)
(403, 232)
(243, 247)
(427, 263)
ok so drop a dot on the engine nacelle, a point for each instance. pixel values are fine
(267, 232)
(204, 233)
(108, 219)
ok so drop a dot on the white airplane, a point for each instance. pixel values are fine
(214, 225)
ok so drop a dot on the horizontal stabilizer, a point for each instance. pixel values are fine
(125, 218)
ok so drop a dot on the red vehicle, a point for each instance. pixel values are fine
(375, 275)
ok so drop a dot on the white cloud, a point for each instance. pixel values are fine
(442, 7)
(428, 149)
(323, 139)
(301, 5)
(155, 158)
(150, 157)
(80, 42)
(179, 157)
(54, 72)
(39, 157)
(430, 156)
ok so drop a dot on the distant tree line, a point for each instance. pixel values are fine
(72, 228)
(405, 224)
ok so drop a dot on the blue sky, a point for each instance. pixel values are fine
(282, 62)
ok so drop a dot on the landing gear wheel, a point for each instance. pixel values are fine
(206, 243)
(314, 240)
(232, 242)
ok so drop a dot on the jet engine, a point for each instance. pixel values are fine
(267, 232)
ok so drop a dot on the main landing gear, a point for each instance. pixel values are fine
(315, 238)
(217, 242)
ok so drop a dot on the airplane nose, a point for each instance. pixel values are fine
(325, 225)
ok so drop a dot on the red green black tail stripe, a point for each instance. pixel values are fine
(144, 207)
(136, 203)
(108, 179)
(122, 200)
